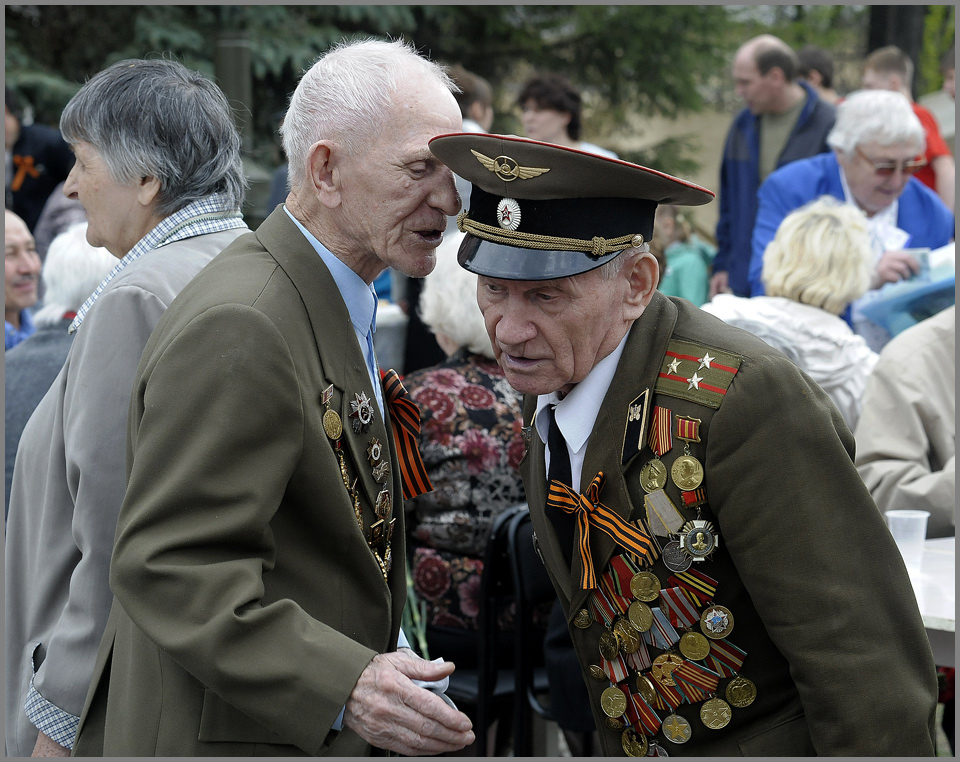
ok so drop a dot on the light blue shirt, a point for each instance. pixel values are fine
(13, 335)
(361, 301)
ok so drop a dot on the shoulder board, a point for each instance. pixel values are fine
(696, 372)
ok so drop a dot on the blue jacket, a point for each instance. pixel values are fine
(920, 213)
(740, 180)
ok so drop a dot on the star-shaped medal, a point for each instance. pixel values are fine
(706, 360)
(694, 381)
(361, 411)
(674, 366)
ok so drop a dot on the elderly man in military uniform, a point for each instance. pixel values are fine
(729, 585)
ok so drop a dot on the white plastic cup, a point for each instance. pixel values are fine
(909, 529)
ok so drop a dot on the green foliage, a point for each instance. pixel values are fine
(938, 36)
(673, 155)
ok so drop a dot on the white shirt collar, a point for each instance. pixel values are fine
(577, 412)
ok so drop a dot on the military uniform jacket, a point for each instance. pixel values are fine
(247, 598)
(821, 601)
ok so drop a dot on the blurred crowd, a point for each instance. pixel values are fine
(834, 245)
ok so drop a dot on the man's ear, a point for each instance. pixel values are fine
(643, 275)
(777, 75)
(323, 174)
(148, 191)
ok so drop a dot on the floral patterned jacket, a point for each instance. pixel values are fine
(471, 445)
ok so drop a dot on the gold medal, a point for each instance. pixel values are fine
(653, 475)
(645, 689)
(663, 667)
(741, 692)
(629, 637)
(613, 702)
(332, 425)
(614, 723)
(694, 646)
(686, 472)
(676, 729)
(582, 619)
(634, 744)
(597, 674)
(715, 713)
(640, 615)
(609, 646)
(716, 622)
(645, 586)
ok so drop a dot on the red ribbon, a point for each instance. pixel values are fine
(405, 415)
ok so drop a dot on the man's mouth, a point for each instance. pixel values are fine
(516, 362)
(432, 237)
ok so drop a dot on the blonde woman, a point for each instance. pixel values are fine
(819, 261)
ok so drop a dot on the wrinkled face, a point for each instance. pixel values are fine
(21, 266)
(872, 191)
(396, 196)
(546, 124)
(757, 90)
(548, 335)
(116, 220)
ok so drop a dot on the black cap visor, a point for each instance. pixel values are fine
(497, 260)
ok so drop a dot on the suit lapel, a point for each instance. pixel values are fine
(342, 362)
(638, 369)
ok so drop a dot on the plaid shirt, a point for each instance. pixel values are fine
(207, 215)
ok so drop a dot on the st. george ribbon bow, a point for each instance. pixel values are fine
(590, 511)
(405, 415)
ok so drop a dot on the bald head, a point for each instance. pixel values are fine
(765, 71)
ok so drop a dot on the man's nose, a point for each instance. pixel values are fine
(445, 196)
(514, 328)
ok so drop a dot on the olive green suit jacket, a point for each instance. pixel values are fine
(247, 599)
(821, 600)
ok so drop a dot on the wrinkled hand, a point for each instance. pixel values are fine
(389, 712)
(719, 283)
(47, 747)
(894, 266)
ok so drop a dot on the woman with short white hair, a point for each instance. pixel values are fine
(819, 261)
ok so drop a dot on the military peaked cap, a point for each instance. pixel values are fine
(539, 211)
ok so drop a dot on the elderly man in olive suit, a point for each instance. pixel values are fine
(258, 566)
(729, 585)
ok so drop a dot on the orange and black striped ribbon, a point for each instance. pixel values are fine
(405, 416)
(589, 510)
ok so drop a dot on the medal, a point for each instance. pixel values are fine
(609, 646)
(377, 529)
(382, 506)
(676, 729)
(640, 615)
(629, 637)
(741, 692)
(332, 425)
(645, 586)
(582, 619)
(663, 667)
(613, 702)
(663, 518)
(634, 744)
(674, 558)
(687, 472)
(614, 723)
(656, 750)
(715, 713)
(361, 411)
(380, 471)
(653, 475)
(716, 622)
(597, 674)
(694, 646)
(645, 689)
(698, 539)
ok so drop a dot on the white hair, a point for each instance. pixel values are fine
(71, 271)
(346, 96)
(876, 116)
(448, 301)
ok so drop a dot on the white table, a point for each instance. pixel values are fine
(934, 586)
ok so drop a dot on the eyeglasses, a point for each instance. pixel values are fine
(887, 168)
